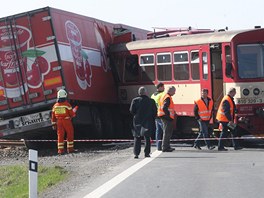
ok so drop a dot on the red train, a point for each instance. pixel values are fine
(191, 61)
(44, 50)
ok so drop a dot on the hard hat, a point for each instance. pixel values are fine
(61, 94)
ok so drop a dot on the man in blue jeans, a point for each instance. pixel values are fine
(203, 112)
(159, 128)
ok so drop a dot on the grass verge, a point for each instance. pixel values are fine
(14, 179)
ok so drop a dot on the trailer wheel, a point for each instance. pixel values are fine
(97, 123)
(108, 124)
(126, 127)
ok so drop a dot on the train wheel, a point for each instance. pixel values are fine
(97, 123)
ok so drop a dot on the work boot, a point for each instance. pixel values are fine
(147, 155)
(197, 147)
(222, 149)
(168, 150)
(211, 147)
(238, 148)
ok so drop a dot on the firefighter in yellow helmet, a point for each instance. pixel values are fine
(62, 114)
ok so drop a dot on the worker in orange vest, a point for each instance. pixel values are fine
(62, 114)
(226, 116)
(167, 114)
(203, 112)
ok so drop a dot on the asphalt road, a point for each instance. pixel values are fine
(186, 173)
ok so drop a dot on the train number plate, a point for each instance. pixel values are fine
(250, 100)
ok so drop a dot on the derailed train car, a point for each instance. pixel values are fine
(215, 60)
(44, 50)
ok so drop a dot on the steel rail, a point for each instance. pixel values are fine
(15, 143)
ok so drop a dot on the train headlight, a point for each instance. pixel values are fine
(256, 91)
(245, 92)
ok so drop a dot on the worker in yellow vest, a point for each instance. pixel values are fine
(167, 114)
(159, 129)
(203, 112)
(226, 116)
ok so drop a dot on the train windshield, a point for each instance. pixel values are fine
(250, 59)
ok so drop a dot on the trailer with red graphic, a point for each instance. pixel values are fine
(44, 50)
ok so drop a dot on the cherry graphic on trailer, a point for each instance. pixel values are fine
(36, 67)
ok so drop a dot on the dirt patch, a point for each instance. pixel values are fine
(83, 166)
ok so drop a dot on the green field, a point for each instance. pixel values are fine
(14, 180)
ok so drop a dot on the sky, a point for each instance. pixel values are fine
(147, 14)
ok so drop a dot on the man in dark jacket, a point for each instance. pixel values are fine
(144, 111)
(226, 116)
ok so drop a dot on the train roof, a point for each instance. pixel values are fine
(183, 40)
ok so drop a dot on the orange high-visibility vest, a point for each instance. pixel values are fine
(170, 108)
(62, 110)
(204, 111)
(220, 116)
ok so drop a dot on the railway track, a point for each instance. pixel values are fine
(16, 143)
(40, 144)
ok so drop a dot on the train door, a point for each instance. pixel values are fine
(211, 71)
(217, 74)
(205, 69)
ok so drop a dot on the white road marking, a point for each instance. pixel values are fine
(100, 191)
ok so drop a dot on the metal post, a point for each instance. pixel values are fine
(33, 173)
